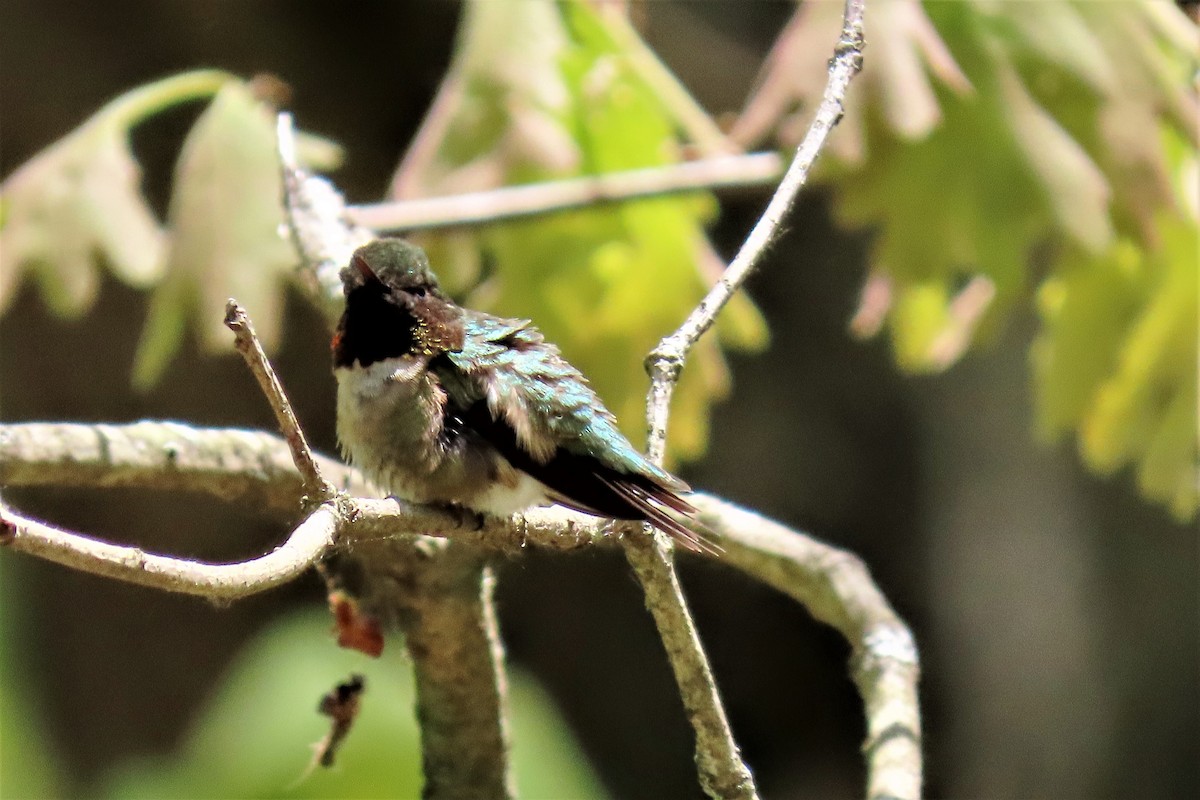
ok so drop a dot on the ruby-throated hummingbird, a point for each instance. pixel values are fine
(441, 404)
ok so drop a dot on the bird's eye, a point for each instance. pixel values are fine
(419, 291)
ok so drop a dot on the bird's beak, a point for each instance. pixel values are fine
(364, 269)
(357, 273)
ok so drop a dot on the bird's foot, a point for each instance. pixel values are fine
(467, 517)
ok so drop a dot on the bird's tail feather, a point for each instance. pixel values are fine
(655, 503)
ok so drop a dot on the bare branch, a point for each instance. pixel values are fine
(247, 343)
(307, 543)
(837, 589)
(666, 360)
(441, 595)
(316, 220)
(833, 584)
(511, 202)
(722, 771)
(251, 469)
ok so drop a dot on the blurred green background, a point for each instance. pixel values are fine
(1056, 611)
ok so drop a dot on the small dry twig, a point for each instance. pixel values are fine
(247, 343)
(512, 202)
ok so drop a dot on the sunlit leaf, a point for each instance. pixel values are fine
(1050, 136)
(540, 91)
(1117, 357)
(1057, 140)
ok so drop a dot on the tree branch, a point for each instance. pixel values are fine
(512, 202)
(666, 360)
(441, 595)
(217, 582)
(316, 218)
(831, 583)
(246, 468)
(722, 771)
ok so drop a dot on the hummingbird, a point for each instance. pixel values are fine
(441, 404)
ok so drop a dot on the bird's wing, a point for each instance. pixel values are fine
(518, 393)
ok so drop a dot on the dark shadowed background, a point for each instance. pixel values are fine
(1056, 613)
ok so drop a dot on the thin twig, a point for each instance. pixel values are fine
(722, 771)
(218, 582)
(666, 360)
(251, 349)
(511, 202)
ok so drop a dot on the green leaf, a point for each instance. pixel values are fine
(1075, 190)
(908, 71)
(1061, 130)
(77, 205)
(1044, 131)
(224, 232)
(540, 91)
(1117, 357)
(1148, 402)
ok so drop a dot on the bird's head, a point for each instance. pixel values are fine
(394, 264)
(394, 306)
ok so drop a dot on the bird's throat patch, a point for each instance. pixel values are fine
(372, 328)
(379, 323)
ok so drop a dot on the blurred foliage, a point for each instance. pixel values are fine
(1118, 352)
(224, 220)
(986, 137)
(541, 91)
(254, 737)
(78, 206)
(79, 203)
(29, 764)
(982, 137)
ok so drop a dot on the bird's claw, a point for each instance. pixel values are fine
(468, 518)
